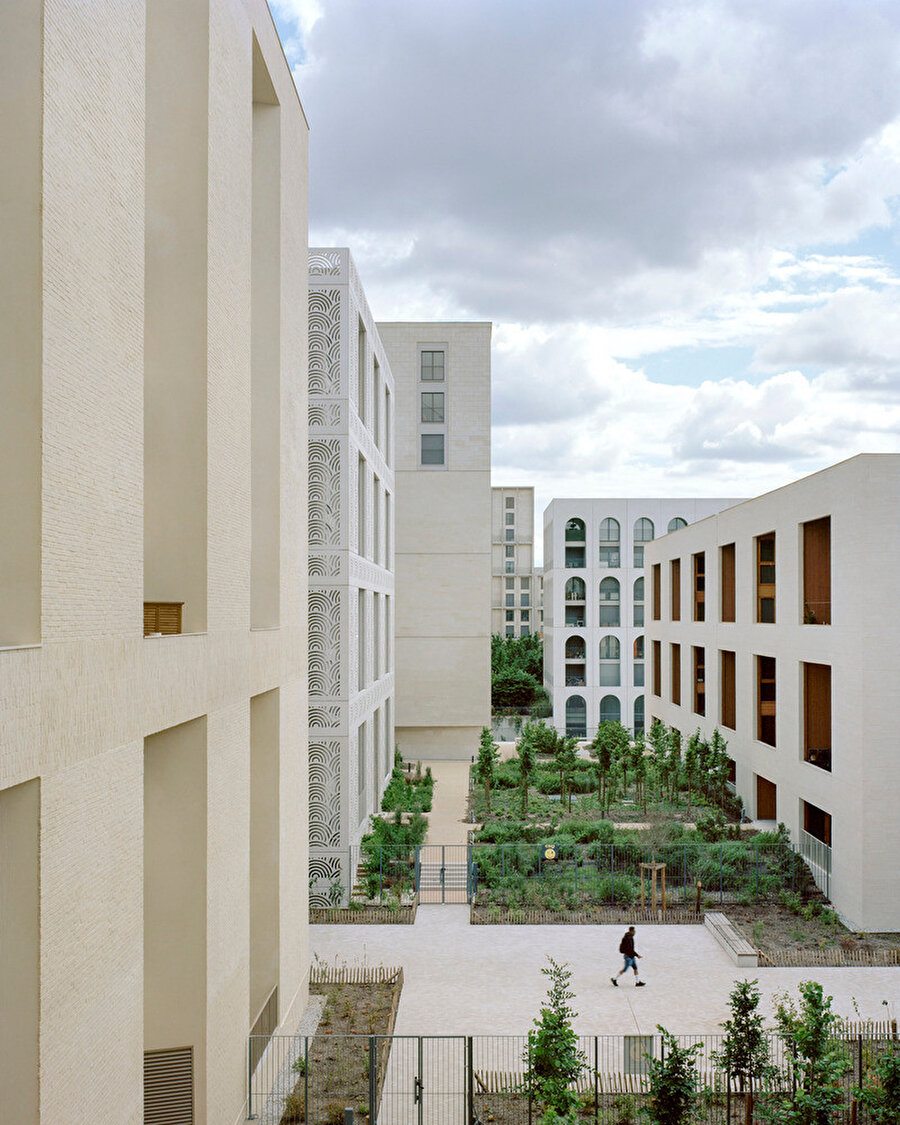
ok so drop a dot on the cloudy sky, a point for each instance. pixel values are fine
(683, 219)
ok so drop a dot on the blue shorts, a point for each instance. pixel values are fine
(630, 963)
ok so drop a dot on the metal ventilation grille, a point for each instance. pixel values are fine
(169, 1087)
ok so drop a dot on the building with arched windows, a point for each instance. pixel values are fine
(594, 596)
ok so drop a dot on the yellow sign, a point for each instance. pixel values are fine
(549, 851)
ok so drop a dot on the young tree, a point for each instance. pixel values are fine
(610, 743)
(673, 1083)
(674, 761)
(816, 1061)
(566, 763)
(881, 1094)
(552, 1059)
(525, 752)
(692, 765)
(745, 1046)
(639, 767)
(719, 765)
(486, 763)
(659, 745)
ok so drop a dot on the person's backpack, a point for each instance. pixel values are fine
(622, 944)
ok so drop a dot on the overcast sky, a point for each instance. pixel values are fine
(683, 219)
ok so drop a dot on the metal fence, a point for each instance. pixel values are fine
(582, 874)
(818, 859)
(467, 1080)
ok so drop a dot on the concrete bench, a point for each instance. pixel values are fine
(731, 940)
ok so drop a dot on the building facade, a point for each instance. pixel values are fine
(515, 583)
(153, 701)
(594, 604)
(442, 373)
(351, 577)
(789, 647)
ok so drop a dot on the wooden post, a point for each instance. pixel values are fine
(663, 890)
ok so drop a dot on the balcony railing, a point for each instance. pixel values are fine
(818, 859)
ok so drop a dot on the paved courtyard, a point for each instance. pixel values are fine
(486, 980)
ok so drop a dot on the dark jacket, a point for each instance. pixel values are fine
(626, 946)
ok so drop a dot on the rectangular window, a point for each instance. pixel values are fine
(361, 373)
(639, 614)
(510, 552)
(510, 583)
(638, 674)
(727, 685)
(510, 566)
(817, 572)
(510, 533)
(675, 591)
(657, 582)
(432, 369)
(766, 799)
(817, 715)
(638, 555)
(726, 567)
(510, 501)
(609, 556)
(765, 699)
(817, 823)
(525, 583)
(510, 599)
(432, 406)
(574, 558)
(510, 615)
(432, 449)
(526, 599)
(699, 680)
(657, 668)
(525, 631)
(510, 519)
(526, 614)
(699, 561)
(676, 674)
(765, 578)
(510, 630)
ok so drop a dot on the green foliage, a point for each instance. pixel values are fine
(610, 749)
(816, 1060)
(486, 763)
(745, 1047)
(525, 749)
(517, 671)
(552, 1058)
(409, 794)
(881, 1093)
(673, 1082)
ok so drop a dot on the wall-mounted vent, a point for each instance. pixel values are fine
(169, 1087)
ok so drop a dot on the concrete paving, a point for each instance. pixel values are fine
(486, 980)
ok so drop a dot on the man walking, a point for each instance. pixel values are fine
(626, 947)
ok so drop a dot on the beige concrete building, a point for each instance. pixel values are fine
(777, 621)
(516, 609)
(351, 575)
(153, 834)
(442, 373)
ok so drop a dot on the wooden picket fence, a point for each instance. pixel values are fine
(523, 916)
(830, 958)
(355, 974)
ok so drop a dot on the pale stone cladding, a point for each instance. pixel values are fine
(351, 576)
(443, 535)
(594, 597)
(153, 831)
(807, 697)
(515, 585)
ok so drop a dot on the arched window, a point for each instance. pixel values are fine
(575, 648)
(638, 714)
(576, 717)
(575, 543)
(610, 664)
(676, 523)
(643, 530)
(609, 602)
(638, 600)
(575, 590)
(609, 542)
(638, 662)
(610, 710)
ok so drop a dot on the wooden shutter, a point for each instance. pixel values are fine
(162, 617)
(727, 566)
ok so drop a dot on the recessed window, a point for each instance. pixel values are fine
(525, 583)
(699, 655)
(699, 565)
(575, 590)
(510, 583)
(817, 572)
(574, 531)
(638, 560)
(432, 406)
(765, 699)
(638, 606)
(525, 631)
(576, 717)
(657, 582)
(726, 568)
(644, 531)
(510, 566)
(525, 599)
(510, 630)
(432, 368)
(765, 578)
(510, 533)
(676, 524)
(657, 667)
(727, 684)
(675, 652)
(609, 602)
(510, 615)
(675, 588)
(610, 709)
(817, 823)
(817, 715)
(526, 614)
(510, 552)
(638, 714)
(432, 449)
(610, 663)
(510, 501)
(510, 599)
(510, 519)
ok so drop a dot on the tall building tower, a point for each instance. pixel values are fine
(515, 586)
(442, 373)
(351, 577)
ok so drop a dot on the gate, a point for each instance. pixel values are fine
(426, 1082)
(443, 873)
